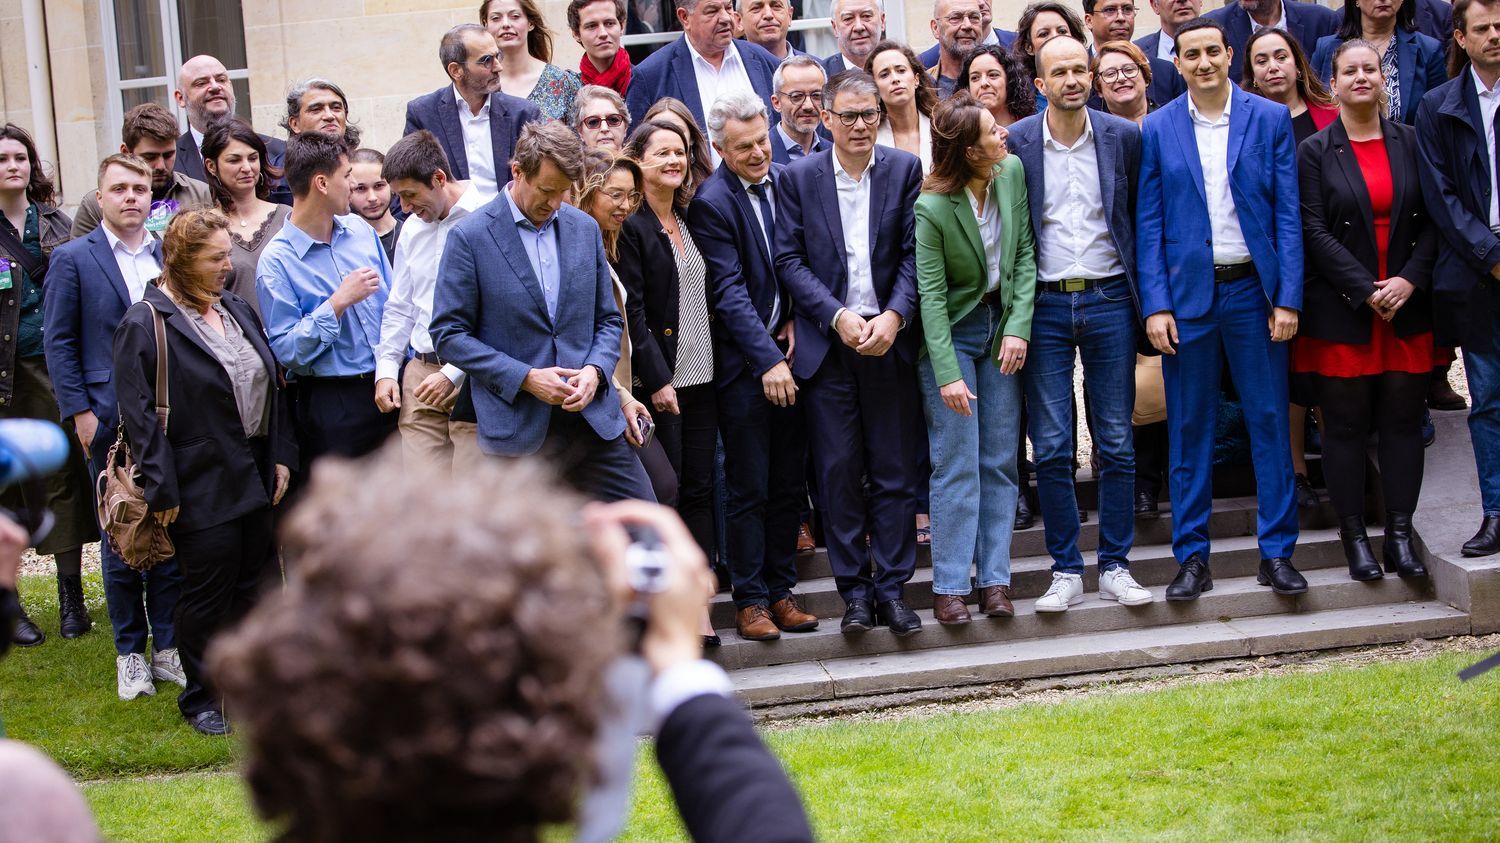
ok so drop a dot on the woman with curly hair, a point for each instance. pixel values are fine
(907, 97)
(1040, 23)
(999, 82)
(526, 57)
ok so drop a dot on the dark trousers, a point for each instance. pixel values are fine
(66, 492)
(603, 469)
(860, 424)
(338, 416)
(765, 456)
(690, 439)
(1150, 457)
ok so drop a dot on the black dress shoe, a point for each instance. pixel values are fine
(1192, 580)
(1083, 515)
(1362, 564)
(901, 620)
(1024, 518)
(712, 641)
(858, 617)
(73, 613)
(1146, 505)
(1400, 558)
(1279, 574)
(27, 634)
(209, 723)
(1487, 540)
(1307, 496)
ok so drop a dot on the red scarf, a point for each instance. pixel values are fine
(617, 76)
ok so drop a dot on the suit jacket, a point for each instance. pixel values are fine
(810, 259)
(741, 275)
(1339, 235)
(1149, 43)
(203, 462)
(931, 55)
(1307, 22)
(723, 778)
(952, 274)
(668, 72)
(1457, 184)
(489, 318)
(189, 162)
(648, 269)
(1174, 237)
(779, 153)
(1117, 146)
(84, 299)
(1435, 20)
(1421, 63)
(437, 112)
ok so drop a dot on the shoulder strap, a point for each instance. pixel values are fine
(163, 407)
(35, 267)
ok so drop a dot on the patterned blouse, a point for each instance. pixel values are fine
(695, 347)
(554, 92)
(1390, 67)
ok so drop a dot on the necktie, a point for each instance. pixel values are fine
(767, 223)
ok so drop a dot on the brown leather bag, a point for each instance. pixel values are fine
(136, 535)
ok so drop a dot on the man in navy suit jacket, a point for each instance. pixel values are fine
(705, 62)
(1003, 37)
(846, 250)
(472, 60)
(1114, 20)
(526, 307)
(1173, 13)
(1307, 22)
(857, 27)
(90, 283)
(1220, 268)
(796, 134)
(204, 89)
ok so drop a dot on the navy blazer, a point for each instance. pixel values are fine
(1149, 43)
(489, 318)
(1421, 63)
(1307, 22)
(1435, 20)
(1174, 236)
(1166, 84)
(189, 162)
(1117, 146)
(810, 258)
(779, 155)
(1458, 185)
(668, 72)
(741, 274)
(931, 55)
(84, 299)
(437, 112)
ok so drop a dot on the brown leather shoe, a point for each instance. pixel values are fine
(805, 543)
(754, 624)
(994, 600)
(787, 613)
(949, 610)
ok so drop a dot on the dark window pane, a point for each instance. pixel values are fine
(138, 36)
(242, 98)
(132, 97)
(215, 28)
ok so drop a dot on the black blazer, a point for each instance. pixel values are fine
(203, 463)
(727, 785)
(648, 271)
(1339, 235)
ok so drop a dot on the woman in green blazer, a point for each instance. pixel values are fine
(976, 282)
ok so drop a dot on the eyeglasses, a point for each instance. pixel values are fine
(1116, 11)
(870, 116)
(796, 98)
(960, 18)
(487, 60)
(1128, 71)
(619, 197)
(614, 121)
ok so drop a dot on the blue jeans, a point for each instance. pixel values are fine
(1482, 368)
(1099, 325)
(973, 461)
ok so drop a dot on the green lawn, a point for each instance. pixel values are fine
(1390, 751)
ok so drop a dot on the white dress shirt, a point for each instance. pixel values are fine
(408, 307)
(714, 82)
(886, 137)
(1073, 236)
(990, 230)
(1279, 24)
(138, 267)
(1213, 155)
(1166, 48)
(479, 146)
(854, 216)
(1489, 102)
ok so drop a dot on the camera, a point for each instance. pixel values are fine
(646, 561)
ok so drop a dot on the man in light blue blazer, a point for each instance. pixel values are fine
(525, 305)
(705, 62)
(1219, 255)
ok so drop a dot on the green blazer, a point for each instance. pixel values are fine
(951, 277)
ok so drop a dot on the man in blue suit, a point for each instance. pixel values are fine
(90, 283)
(526, 307)
(1114, 20)
(846, 250)
(472, 113)
(799, 85)
(1173, 13)
(857, 27)
(1220, 267)
(993, 35)
(1306, 22)
(704, 63)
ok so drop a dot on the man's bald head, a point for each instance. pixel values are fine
(1059, 49)
(204, 89)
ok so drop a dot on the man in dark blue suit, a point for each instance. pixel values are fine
(1173, 13)
(994, 35)
(1114, 20)
(1307, 22)
(1435, 20)
(205, 91)
(846, 250)
(1456, 133)
(959, 27)
(857, 27)
(799, 90)
(526, 308)
(1220, 267)
(90, 283)
(476, 123)
(705, 62)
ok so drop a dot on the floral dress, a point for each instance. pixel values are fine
(554, 92)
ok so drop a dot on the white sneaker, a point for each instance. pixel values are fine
(1066, 590)
(1118, 584)
(167, 667)
(133, 677)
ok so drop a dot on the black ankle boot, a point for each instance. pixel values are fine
(73, 614)
(1400, 559)
(1362, 564)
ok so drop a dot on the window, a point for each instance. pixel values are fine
(652, 23)
(152, 38)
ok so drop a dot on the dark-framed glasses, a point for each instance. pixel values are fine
(1128, 71)
(614, 121)
(870, 116)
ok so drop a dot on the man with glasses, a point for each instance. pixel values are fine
(1306, 22)
(1114, 20)
(600, 117)
(846, 251)
(992, 35)
(958, 26)
(476, 123)
(798, 84)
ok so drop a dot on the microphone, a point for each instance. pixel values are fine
(30, 448)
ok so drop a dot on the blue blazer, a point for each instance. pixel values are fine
(741, 274)
(1117, 145)
(931, 55)
(489, 318)
(810, 248)
(668, 72)
(1421, 62)
(1307, 22)
(84, 299)
(1434, 19)
(1174, 238)
(1149, 43)
(1458, 185)
(437, 112)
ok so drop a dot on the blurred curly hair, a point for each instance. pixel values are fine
(424, 675)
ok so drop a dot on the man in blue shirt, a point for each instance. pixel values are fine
(322, 283)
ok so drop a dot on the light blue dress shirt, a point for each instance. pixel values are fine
(294, 279)
(541, 249)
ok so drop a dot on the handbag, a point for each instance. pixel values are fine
(134, 533)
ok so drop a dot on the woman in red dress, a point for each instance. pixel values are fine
(1366, 333)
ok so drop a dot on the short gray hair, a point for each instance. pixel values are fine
(451, 49)
(589, 93)
(796, 60)
(855, 82)
(736, 105)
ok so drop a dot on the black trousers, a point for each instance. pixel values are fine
(338, 416)
(605, 470)
(690, 440)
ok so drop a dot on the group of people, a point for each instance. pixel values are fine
(770, 289)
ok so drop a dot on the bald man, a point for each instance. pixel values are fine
(205, 90)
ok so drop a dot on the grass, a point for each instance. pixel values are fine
(1386, 751)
